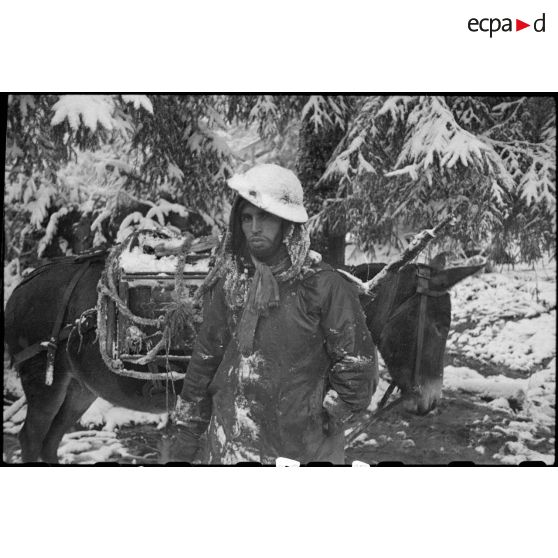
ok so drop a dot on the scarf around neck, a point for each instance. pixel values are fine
(257, 295)
(262, 296)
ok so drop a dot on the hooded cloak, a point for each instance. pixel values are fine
(274, 340)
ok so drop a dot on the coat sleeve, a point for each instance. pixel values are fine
(353, 373)
(194, 406)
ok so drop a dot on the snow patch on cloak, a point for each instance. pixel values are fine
(248, 367)
(236, 454)
(231, 451)
(244, 425)
(354, 363)
(248, 371)
(241, 441)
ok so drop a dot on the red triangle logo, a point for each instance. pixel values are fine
(519, 25)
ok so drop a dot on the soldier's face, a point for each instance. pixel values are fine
(263, 231)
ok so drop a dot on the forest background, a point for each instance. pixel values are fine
(82, 171)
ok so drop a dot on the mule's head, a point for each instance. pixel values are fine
(409, 320)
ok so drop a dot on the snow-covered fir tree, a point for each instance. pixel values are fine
(406, 161)
(377, 168)
(91, 161)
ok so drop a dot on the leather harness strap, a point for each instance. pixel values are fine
(52, 343)
(391, 295)
(389, 305)
(423, 277)
(57, 334)
(39, 346)
(423, 291)
(387, 394)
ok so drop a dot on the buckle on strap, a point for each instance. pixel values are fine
(423, 279)
(423, 283)
(50, 345)
(428, 292)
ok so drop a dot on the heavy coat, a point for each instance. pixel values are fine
(270, 404)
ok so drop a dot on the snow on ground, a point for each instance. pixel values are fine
(530, 402)
(12, 278)
(100, 441)
(507, 322)
(109, 417)
(505, 319)
(90, 447)
(504, 322)
(493, 387)
(12, 385)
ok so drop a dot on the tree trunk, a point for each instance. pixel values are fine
(335, 250)
(314, 151)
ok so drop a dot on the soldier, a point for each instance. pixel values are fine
(283, 358)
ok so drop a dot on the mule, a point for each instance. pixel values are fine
(413, 346)
(80, 375)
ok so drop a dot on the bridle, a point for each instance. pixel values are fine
(423, 292)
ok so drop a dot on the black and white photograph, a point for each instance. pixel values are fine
(279, 279)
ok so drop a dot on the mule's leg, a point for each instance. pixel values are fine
(78, 400)
(43, 402)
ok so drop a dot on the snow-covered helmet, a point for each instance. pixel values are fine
(274, 189)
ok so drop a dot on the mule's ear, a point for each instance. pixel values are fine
(456, 274)
(439, 261)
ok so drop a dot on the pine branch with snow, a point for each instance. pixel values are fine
(409, 160)
(325, 111)
(524, 136)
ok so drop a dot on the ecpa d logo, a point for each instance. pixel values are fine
(494, 24)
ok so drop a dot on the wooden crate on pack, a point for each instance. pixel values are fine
(145, 284)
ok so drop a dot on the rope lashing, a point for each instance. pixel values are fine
(178, 316)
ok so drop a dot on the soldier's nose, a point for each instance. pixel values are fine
(256, 226)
